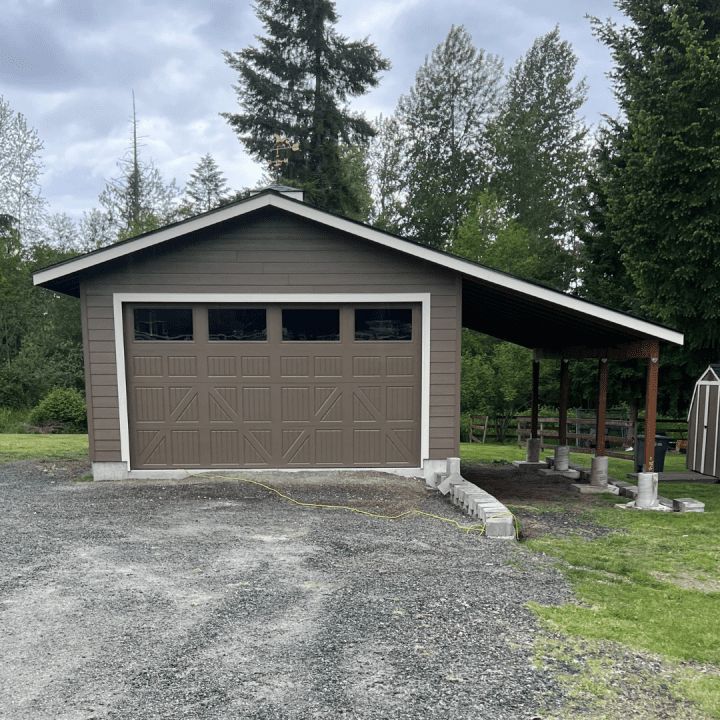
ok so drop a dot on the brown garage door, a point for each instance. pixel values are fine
(273, 386)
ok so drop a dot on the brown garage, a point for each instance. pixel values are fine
(272, 334)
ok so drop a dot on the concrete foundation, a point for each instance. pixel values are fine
(533, 450)
(431, 470)
(562, 458)
(599, 471)
(109, 471)
(647, 490)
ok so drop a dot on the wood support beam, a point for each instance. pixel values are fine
(601, 407)
(651, 409)
(627, 351)
(535, 399)
(563, 404)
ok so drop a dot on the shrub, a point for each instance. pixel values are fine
(62, 408)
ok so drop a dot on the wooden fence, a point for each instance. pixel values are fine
(585, 442)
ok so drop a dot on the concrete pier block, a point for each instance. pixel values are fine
(562, 458)
(647, 490)
(533, 450)
(599, 471)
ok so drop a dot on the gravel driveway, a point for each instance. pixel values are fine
(214, 598)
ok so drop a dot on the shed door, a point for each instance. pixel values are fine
(251, 386)
(703, 446)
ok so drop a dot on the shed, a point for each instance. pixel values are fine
(272, 334)
(704, 424)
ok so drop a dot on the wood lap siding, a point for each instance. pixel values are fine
(271, 252)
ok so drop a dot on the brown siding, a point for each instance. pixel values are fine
(272, 253)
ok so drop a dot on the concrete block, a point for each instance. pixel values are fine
(501, 528)
(647, 490)
(529, 464)
(104, 471)
(599, 471)
(666, 502)
(622, 484)
(562, 458)
(688, 505)
(591, 489)
(572, 474)
(630, 491)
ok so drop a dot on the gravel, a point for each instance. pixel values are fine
(214, 598)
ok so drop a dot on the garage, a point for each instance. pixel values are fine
(258, 385)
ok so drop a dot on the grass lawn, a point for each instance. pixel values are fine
(652, 585)
(43, 447)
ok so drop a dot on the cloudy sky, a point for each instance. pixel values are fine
(70, 67)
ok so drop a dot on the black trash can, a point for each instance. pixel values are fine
(662, 443)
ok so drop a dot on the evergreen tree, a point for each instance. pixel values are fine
(443, 124)
(539, 152)
(296, 85)
(385, 154)
(207, 187)
(662, 178)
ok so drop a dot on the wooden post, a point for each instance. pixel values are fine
(535, 400)
(601, 407)
(564, 392)
(651, 408)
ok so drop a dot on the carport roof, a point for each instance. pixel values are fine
(494, 302)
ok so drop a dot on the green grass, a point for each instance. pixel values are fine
(43, 447)
(653, 585)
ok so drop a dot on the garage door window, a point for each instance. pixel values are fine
(305, 324)
(383, 324)
(236, 324)
(170, 324)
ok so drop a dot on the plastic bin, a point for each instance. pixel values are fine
(662, 443)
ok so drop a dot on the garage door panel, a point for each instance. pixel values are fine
(183, 404)
(155, 454)
(366, 367)
(182, 366)
(222, 366)
(366, 447)
(186, 447)
(255, 366)
(257, 448)
(328, 447)
(400, 403)
(400, 446)
(295, 366)
(150, 404)
(399, 366)
(150, 366)
(328, 366)
(296, 447)
(256, 404)
(295, 404)
(224, 448)
(222, 403)
(367, 404)
(328, 404)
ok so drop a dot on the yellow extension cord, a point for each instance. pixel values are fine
(467, 528)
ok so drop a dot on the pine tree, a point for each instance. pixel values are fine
(443, 124)
(296, 85)
(207, 187)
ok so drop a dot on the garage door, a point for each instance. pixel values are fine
(253, 386)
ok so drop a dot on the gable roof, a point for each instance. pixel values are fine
(494, 302)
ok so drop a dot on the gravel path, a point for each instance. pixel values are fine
(216, 599)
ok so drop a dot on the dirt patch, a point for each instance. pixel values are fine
(544, 504)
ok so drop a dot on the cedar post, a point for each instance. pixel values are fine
(601, 406)
(651, 408)
(564, 392)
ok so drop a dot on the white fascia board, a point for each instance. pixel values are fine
(300, 209)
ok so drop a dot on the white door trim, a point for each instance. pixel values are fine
(330, 298)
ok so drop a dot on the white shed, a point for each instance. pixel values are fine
(704, 424)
